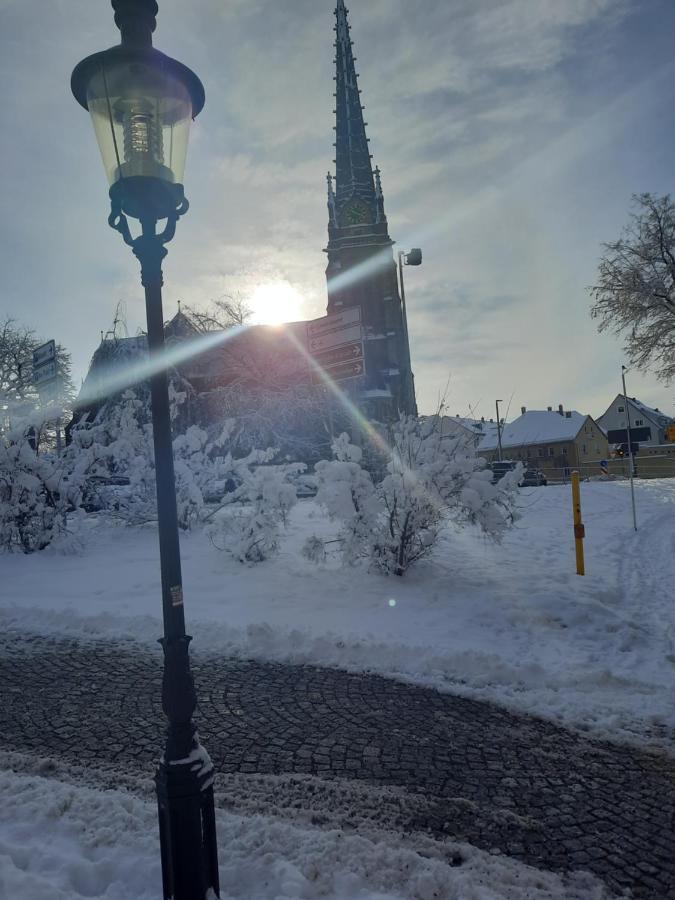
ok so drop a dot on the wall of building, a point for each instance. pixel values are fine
(645, 430)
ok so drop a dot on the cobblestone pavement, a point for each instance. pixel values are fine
(496, 779)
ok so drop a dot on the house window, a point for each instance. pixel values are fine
(540, 451)
(621, 409)
(639, 422)
(583, 449)
(551, 451)
(564, 451)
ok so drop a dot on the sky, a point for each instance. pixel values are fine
(511, 135)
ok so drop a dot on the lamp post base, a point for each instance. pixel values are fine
(187, 827)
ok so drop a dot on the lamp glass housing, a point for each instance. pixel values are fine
(141, 114)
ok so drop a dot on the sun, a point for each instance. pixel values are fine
(275, 302)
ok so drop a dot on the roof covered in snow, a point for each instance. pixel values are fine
(537, 427)
(657, 415)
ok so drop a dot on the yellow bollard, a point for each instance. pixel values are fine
(579, 530)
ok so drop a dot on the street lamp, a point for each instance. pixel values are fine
(409, 258)
(141, 103)
(499, 429)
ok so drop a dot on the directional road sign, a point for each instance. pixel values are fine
(330, 339)
(44, 364)
(342, 371)
(348, 353)
(334, 322)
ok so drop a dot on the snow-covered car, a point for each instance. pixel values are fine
(532, 478)
(305, 485)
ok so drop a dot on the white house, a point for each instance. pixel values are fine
(647, 425)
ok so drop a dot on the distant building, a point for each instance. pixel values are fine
(475, 429)
(555, 441)
(648, 427)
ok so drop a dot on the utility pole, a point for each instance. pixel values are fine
(499, 430)
(630, 446)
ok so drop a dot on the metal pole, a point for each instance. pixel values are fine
(579, 531)
(185, 774)
(409, 383)
(630, 447)
(499, 430)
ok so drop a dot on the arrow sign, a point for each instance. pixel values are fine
(350, 352)
(330, 339)
(341, 372)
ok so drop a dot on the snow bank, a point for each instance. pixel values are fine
(67, 842)
(512, 623)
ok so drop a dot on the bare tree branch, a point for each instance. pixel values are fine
(635, 291)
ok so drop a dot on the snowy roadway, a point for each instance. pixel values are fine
(412, 760)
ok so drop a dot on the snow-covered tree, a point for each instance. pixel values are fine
(298, 420)
(635, 291)
(18, 395)
(36, 491)
(251, 532)
(431, 479)
(347, 492)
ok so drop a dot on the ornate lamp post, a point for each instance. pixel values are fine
(141, 103)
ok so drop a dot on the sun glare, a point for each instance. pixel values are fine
(275, 302)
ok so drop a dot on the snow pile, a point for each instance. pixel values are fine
(510, 622)
(65, 842)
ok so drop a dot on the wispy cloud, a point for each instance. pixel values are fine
(509, 135)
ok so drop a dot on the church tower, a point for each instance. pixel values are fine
(361, 269)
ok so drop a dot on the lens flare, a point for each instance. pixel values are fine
(101, 384)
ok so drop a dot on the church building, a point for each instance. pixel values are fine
(361, 270)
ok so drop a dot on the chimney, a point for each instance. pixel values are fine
(561, 411)
(482, 418)
(522, 410)
(549, 409)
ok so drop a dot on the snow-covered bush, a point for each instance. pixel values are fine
(34, 494)
(433, 478)
(347, 492)
(430, 479)
(117, 454)
(314, 549)
(251, 531)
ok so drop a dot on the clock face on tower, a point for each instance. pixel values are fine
(356, 212)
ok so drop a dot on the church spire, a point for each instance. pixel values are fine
(354, 175)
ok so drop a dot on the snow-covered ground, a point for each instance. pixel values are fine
(65, 841)
(512, 622)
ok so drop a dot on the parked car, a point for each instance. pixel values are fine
(305, 485)
(499, 469)
(532, 478)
